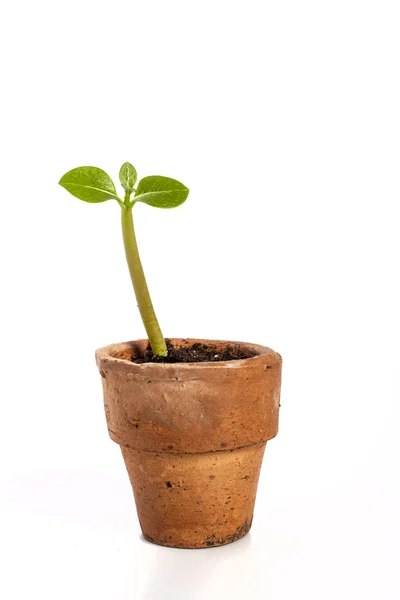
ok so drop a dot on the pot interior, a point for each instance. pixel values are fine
(137, 348)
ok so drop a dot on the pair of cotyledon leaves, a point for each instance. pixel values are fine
(92, 184)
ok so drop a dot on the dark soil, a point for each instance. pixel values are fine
(192, 354)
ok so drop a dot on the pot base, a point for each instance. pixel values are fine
(241, 532)
(195, 500)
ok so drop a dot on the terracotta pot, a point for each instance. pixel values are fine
(193, 438)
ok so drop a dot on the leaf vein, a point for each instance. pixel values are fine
(90, 187)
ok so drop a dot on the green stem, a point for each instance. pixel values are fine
(156, 338)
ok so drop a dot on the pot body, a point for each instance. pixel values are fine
(193, 437)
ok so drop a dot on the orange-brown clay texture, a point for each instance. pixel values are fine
(193, 437)
(195, 500)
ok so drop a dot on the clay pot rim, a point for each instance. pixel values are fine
(107, 354)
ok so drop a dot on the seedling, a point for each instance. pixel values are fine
(94, 185)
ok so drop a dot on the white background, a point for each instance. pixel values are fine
(282, 117)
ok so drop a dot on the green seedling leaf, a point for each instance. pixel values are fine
(128, 177)
(162, 192)
(89, 184)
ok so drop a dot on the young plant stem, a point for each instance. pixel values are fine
(145, 305)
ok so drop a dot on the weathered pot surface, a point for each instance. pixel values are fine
(193, 437)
